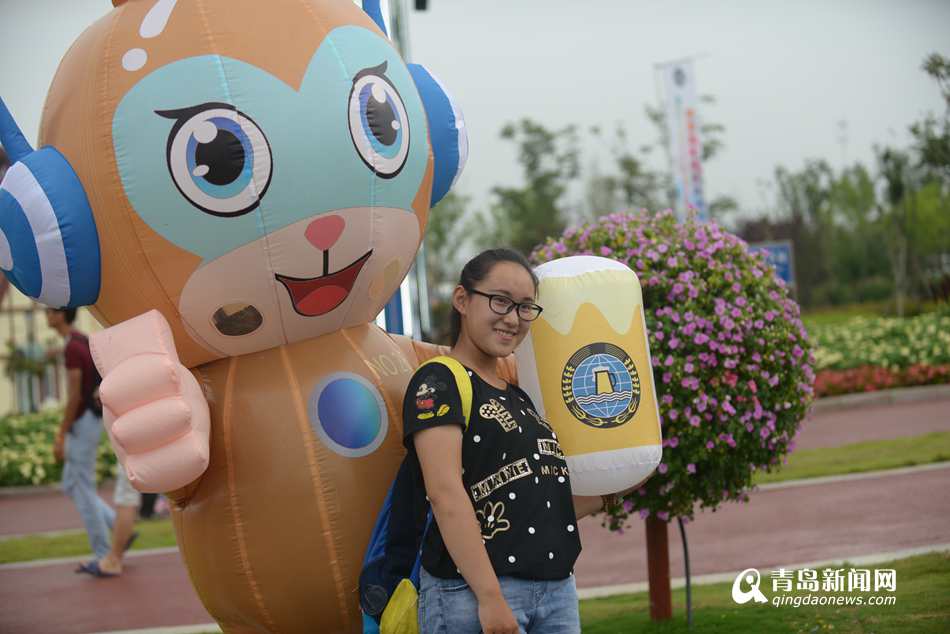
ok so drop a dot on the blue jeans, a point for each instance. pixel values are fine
(541, 607)
(79, 481)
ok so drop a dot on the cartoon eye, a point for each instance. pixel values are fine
(379, 124)
(218, 158)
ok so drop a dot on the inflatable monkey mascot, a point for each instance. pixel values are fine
(256, 178)
(236, 188)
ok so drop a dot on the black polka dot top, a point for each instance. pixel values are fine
(513, 471)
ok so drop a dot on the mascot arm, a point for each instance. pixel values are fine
(153, 407)
(420, 351)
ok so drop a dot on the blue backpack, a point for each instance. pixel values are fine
(389, 579)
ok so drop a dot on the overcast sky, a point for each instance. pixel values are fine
(783, 73)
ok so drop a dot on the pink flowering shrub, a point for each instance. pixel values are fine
(731, 360)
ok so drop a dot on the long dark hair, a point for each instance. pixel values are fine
(478, 269)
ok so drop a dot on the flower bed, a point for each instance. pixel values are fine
(731, 358)
(876, 353)
(26, 450)
(872, 378)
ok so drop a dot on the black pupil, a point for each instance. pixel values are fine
(380, 117)
(224, 156)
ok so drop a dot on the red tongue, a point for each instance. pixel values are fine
(322, 300)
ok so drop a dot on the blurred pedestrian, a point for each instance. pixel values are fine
(77, 445)
(127, 501)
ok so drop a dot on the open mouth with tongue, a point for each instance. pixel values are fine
(315, 296)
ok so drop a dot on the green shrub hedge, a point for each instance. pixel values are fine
(26, 450)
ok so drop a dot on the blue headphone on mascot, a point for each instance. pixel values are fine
(446, 124)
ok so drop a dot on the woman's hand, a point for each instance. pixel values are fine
(496, 617)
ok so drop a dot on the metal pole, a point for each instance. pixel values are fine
(396, 16)
(689, 609)
(11, 315)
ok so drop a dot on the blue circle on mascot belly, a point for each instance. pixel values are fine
(348, 414)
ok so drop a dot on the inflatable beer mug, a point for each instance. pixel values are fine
(586, 365)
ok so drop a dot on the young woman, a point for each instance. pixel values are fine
(500, 552)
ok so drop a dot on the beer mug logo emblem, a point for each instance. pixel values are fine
(600, 386)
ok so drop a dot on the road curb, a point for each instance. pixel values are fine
(895, 396)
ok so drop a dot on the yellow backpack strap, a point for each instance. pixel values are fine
(462, 380)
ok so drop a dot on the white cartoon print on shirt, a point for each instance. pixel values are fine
(493, 410)
(491, 517)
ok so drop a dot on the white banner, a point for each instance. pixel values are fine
(686, 144)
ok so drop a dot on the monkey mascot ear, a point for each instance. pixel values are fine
(446, 131)
(446, 124)
(49, 247)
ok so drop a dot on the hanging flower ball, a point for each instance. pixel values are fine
(731, 359)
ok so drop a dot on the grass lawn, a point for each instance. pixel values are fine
(861, 457)
(810, 463)
(922, 607)
(832, 315)
(152, 534)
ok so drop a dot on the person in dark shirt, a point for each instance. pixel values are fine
(77, 445)
(500, 551)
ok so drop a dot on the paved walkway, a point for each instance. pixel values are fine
(49, 510)
(844, 427)
(784, 526)
(778, 527)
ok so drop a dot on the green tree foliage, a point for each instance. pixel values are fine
(867, 234)
(446, 232)
(932, 134)
(861, 233)
(633, 184)
(523, 216)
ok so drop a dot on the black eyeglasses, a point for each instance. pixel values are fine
(502, 305)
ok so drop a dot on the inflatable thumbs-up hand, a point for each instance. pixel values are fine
(153, 407)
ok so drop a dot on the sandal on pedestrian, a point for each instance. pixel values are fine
(92, 568)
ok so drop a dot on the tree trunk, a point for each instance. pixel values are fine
(900, 274)
(658, 569)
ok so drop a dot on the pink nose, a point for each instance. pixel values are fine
(325, 231)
